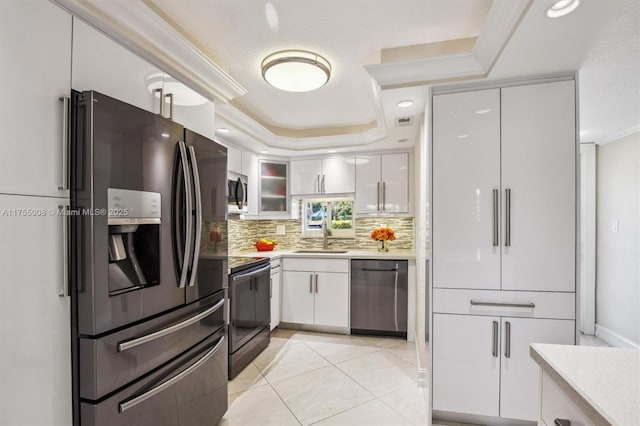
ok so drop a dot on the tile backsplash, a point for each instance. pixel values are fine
(244, 233)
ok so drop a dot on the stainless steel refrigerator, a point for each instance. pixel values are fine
(149, 268)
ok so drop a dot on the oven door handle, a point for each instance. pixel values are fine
(252, 273)
(132, 343)
(130, 403)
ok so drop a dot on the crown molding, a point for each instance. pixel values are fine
(619, 135)
(138, 28)
(503, 18)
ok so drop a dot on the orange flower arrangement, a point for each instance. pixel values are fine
(383, 234)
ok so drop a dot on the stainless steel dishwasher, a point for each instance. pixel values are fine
(379, 297)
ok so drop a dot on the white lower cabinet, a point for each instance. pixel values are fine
(35, 324)
(481, 364)
(275, 293)
(313, 295)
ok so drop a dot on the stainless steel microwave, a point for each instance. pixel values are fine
(237, 187)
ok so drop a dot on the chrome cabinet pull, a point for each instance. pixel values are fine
(384, 195)
(310, 283)
(161, 92)
(562, 422)
(378, 202)
(64, 288)
(323, 187)
(189, 210)
(170, 97)
(495, 217)
(130, 403)
(318, 185)
(507, 350)
(494, 350)
(198, 209)
(316, 283)
(506, 305)
(507, 238)
(132, 343)
(64, 184)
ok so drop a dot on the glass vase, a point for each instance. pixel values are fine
(383, 245)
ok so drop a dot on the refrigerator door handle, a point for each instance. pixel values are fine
(395, 297)
(189, 217)
(198, 214)
(170, 97)
(132, 402)
(132, 343)
(161, 92)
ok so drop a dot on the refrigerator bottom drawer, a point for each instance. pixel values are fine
(190, 390)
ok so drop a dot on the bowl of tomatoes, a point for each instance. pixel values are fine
(265, 244)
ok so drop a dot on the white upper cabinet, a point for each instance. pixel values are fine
(466, 187)
(504, 182)
(382, 183)
(101, 64)
(539, 171)
(185, 106)
(234, 160)
(35, 320)
(331, 175)
(250, 170)
(35, 52)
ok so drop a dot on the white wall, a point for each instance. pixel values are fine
(618, 253)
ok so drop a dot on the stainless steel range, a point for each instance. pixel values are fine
(250, 310)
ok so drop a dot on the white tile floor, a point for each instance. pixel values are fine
(305, 378)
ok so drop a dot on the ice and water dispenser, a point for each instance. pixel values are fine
(134, 219)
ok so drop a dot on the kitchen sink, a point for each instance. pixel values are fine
(321, 251)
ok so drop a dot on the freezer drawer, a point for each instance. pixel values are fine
(112, 361)
(379, 297)
(190, 390)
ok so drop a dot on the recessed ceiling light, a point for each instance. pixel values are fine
(332, 151)
(562, 7)
(405, 104)
(165, 135)
(483, 111)
(264, 151)
(296, 70)
(463, 136)
(222, 130)
(403, 140)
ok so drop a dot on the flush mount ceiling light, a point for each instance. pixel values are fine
(296, 70)
(222, 130)
(562, 7)
(405, 104)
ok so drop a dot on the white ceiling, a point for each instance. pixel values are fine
(216, 47)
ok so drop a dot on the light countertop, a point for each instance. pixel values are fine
(350, 254)
(603, 381)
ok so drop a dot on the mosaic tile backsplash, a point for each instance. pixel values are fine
(244, 233)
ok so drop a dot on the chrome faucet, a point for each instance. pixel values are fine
(325, 234)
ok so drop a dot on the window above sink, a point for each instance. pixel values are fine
(339, 214)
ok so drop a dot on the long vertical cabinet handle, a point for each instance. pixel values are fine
(318, 190)
(507, 350)
(170, 97)
(507, 219)
(189, 210)
(64, 184)
(395, 297)
(161, 92)
(64, 287)
(384, 195)
(310, 283)
(316, 283)
(494, 350)
(495, 217)
(323, 187)
(198, 210)
(378, 205)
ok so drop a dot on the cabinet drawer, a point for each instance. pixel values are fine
(546, 304)
(275, 264)
(316, 264)
(556, 404)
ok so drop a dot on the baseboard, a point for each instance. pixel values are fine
(614, 339)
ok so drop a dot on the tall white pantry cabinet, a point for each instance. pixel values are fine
(504, 243)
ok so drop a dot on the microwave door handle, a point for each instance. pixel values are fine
(238, 185)
(246, 194)
(198, 215)
(189, 216)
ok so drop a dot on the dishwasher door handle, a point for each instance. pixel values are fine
(380, 270)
